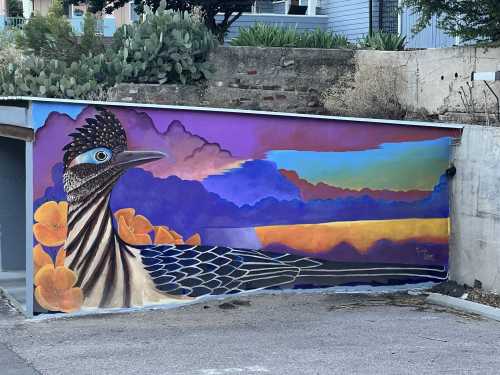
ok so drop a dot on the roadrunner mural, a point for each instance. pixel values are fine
(253, 226)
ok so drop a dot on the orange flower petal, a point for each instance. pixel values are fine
(64, 278)
(60, 257)
(50, 236)
(142, 239)
(71, 300)
(62, 207)
(46, 277)
(127, 214)
(40, 258)
(163, 236)
(124, 231)
(141, 225)
(48, 213)
(176, 235)
(156, 228)
(195, 239)
(47, 299)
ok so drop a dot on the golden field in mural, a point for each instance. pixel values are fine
(319, 238)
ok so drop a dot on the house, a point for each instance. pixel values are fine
(353, 18)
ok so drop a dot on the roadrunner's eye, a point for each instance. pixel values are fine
(101, 156)
(94, 156)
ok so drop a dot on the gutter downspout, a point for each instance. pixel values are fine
(370, 17)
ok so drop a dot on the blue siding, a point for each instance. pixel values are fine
(298, 22)
(348, 17)
(264, 6)
(108, 26)
(430, 37)
(279, 7)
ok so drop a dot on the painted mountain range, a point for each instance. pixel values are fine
(190, 208)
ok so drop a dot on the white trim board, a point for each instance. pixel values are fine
(238, 111)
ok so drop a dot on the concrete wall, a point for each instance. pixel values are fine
(475, 196)
(12, 209)
(431, 80)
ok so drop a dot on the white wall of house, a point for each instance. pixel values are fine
(3, 7)
(27, 8)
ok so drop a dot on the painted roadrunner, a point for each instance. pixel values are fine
(113, 273)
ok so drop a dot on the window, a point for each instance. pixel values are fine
(78, 11)
(133, 15)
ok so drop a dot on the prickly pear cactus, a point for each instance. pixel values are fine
(166, 46)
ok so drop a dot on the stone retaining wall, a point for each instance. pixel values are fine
(425, 83)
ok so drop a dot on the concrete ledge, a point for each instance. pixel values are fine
(464, 305)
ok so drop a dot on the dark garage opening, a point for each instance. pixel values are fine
(12, 218)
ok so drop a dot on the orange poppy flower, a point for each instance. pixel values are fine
(195, 239)
(41, 258)
(133, 229)
(55, 289)
(51, 225)
(164, 235)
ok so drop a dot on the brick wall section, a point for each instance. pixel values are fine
(271, 79)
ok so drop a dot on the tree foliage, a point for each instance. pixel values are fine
(14, 8)
(469, 20)
(52, 37)
(230, 10)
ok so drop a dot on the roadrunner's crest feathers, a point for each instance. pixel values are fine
(113, 273)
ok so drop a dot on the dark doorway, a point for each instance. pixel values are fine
(12, 218)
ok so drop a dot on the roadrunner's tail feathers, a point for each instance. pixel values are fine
(195, 271)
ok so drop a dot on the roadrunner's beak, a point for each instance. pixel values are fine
(127, 159)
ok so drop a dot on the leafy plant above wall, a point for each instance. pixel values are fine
(383, 42)
(37, 76)
(52, 36)
(265, 35)
(167, 46)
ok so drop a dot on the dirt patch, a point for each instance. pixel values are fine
(415, 302)
(474, 294)
(480, 296)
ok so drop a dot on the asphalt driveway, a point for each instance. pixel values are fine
(283, 334)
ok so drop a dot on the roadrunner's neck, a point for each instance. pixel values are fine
(101, 260)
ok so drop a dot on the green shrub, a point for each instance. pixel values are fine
(90, 42)
(166, 46)
(8, 51)
(15, 8)
(37, 76)
(52, 37)
(322, 39)
(265, 35)
(383, 42)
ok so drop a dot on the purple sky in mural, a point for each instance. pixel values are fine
(203, 143)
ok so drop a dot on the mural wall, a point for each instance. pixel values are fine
(139, 206)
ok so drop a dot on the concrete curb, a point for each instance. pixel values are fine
(464, 305)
